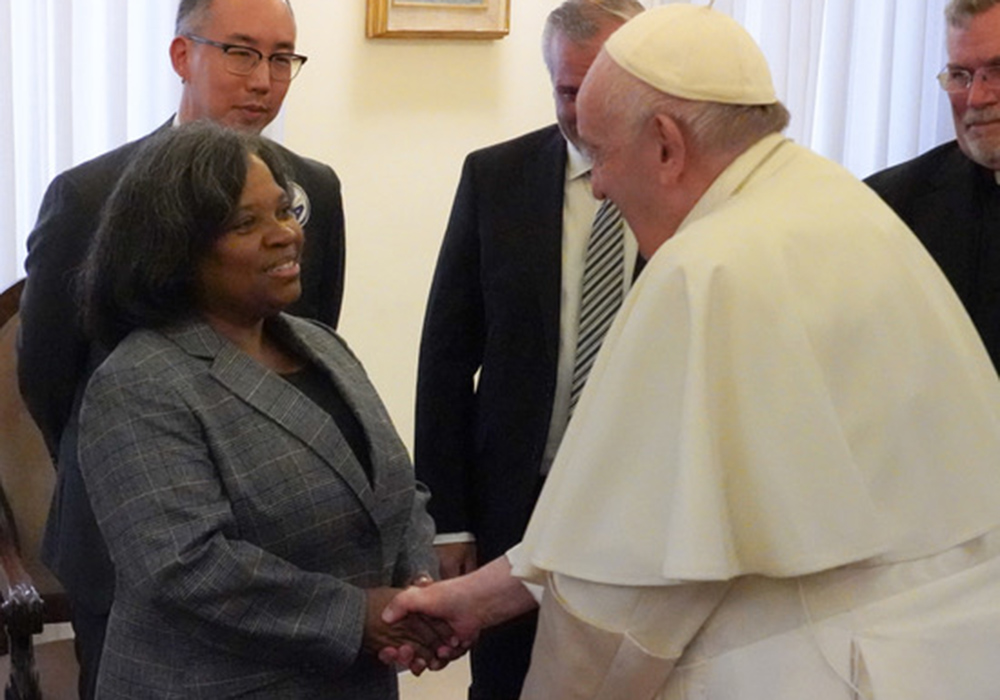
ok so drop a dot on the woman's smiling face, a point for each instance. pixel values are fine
(252, 270)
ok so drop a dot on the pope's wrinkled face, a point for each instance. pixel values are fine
(623, 155)
(211, 91)
(976, 111)
(252, 270)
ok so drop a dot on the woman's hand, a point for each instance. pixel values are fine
(464, 605)
(418, 633)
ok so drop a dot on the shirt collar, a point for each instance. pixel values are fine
(577, 164)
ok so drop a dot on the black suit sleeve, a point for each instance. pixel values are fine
(451, 352)
(52, 350)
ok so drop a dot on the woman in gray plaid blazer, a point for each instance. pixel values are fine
(256, 500)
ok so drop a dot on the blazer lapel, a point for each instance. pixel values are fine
(391, 467)
(268, 393)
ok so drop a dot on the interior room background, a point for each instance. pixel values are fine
(395, 118)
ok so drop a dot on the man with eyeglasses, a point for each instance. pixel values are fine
(950, 196)
(236, 60)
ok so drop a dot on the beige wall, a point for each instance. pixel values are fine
(395, 119)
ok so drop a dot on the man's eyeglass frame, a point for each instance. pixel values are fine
(295, 61)
(959, 80)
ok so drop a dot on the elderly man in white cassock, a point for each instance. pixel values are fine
(783, 478)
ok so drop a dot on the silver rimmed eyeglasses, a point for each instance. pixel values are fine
(242, 60)
(961, 79)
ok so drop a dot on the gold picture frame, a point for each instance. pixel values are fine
(438, 19)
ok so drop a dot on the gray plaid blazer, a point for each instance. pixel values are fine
(242, 528)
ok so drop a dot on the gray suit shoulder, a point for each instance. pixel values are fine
(147, 353)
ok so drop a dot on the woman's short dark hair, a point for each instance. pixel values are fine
(171, 204)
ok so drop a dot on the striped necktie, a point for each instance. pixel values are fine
(601, 291)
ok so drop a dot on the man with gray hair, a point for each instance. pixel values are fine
(498, 357)
(781, 480)
(236, 60)
(950, 196)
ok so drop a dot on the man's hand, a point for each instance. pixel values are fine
(447, 602)
(428, 603)
(456, 559)
(467, 604)
(420, 636)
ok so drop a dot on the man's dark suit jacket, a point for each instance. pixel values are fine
(953, 205)
(55, 358)
(493, 311)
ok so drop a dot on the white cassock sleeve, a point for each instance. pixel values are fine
(604, 642)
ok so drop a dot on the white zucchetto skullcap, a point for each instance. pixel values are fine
(693, 52)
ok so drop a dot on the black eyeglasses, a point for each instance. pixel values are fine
(243, 60)
(960, 79)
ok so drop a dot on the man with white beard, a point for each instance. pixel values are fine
(950, 195)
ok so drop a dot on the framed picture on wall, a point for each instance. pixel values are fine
(438, 19)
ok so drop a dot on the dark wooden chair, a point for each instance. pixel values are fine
(32, 598)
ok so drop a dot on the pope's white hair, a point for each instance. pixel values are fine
(711, 126)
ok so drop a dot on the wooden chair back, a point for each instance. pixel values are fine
(31, 595)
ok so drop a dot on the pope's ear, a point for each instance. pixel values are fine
(180, 57)
(673, 150)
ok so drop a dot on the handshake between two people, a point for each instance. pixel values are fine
(430, 624)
